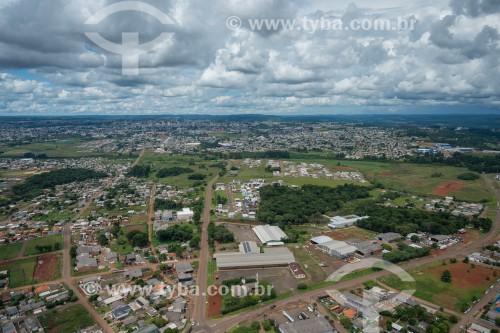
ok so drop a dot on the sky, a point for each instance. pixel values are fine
(312, 57)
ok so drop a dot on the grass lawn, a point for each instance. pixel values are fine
(9, 251)
(71, 319)
(315, 272)
(42, 241)
(467, 284)
(416, 179)
(20, 271)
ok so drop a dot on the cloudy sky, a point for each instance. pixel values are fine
(435, 56)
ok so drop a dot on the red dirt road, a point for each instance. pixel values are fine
(214, 306)
(447, 187)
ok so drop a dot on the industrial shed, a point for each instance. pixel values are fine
(269, 234)
(272, 257)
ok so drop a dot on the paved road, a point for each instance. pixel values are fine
(200, 301)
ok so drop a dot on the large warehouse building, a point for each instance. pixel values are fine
(272, 257)
(333, 247)
(270, 235)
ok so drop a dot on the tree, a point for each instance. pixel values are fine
(102, 240)
(466, 260)
(415, 239)
(72, 251)
(497, 321)
(57, 246)
(345, 322)
(446, 276)
(140, 240)
(302, 286)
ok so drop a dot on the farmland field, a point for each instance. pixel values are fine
(9, 251)
(468, 283)
(60, 148)
(42, 241)
(71, 319)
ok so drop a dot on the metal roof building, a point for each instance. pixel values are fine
(338, 249)
(269, 233)
(249, 247)
(272, 257)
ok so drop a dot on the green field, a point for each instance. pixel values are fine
(315, 272)
(468, 284)
(20, 271)
(196, 163)
(9, 251)
(42, 241)
(60, 148)
(69, 320)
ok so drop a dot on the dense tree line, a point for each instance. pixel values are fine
(219, 234)
(167, 204)
(140, 171)
(137, 238)
(172, 171)
(272, 154)
(176, 233)
(478, 163)
(405, 253)
(468, 176)
(404, 221)
(284, 205)
(34, 185)
(196, 176)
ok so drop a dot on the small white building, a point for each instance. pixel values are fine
(185, 215)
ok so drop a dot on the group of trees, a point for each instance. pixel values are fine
(468, 176)
(196, 176)
(166, 204)
(220, 200)
(405, 253)
(140, 171)
(478, 163)
(176, 233)
(137, 238)
(284, 205)
(231, 304)
(47, 248)
(172, 171)
(32, 155)
(438, 323)
(34, 185)
(219, 234)
(404, 221)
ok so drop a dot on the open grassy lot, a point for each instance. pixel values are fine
(68, 320)
(416, 179)
(351, 232)
(309, 265)
(196, 163)
(60, 148)
(468, 284)
(20, 271)
(9, 251)
(42, 241)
